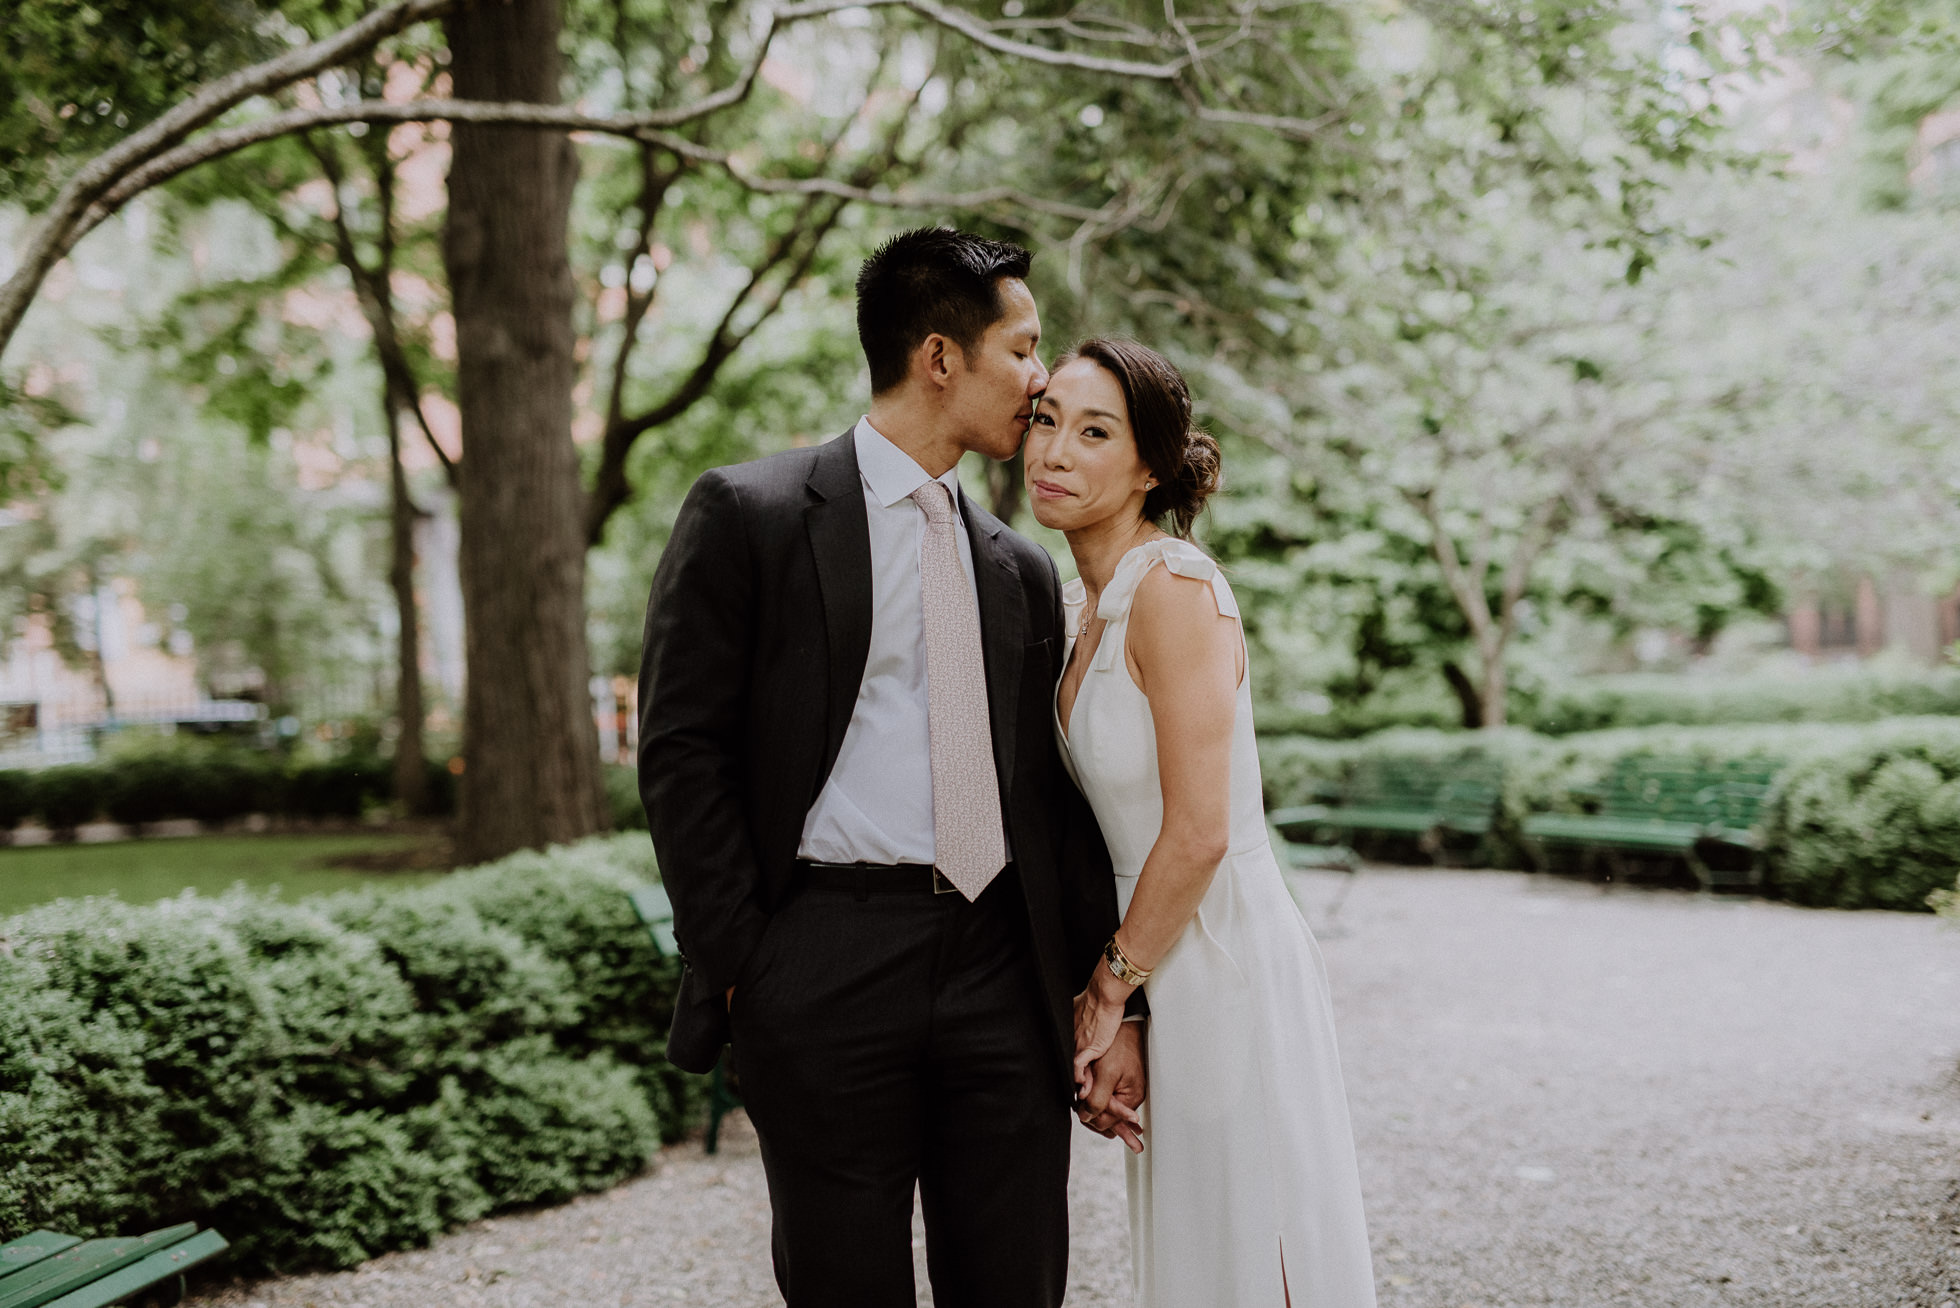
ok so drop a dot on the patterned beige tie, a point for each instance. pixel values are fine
(970, 846)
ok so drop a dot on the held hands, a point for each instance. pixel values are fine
(1109, 1074)
(1098, 1014)
(1116, 1090)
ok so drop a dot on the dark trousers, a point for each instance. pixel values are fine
(891, 1039)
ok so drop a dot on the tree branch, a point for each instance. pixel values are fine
(796, 247)
(654, 183)
(56, 234)
(1517, 572)
(1469, 595)
(160, 151)
(376, 298)
(213, 145)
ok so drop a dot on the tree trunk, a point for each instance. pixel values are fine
(1496, 690)
(1469, 701)
(530, 750)
(411, 768)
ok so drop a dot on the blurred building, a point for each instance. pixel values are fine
(1874, 615)
(135, 674)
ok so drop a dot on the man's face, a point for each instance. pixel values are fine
(992, 397)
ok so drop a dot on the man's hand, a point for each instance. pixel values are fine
(1116, 1090)
(1098, 1016)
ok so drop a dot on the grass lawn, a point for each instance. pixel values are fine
(140, 871)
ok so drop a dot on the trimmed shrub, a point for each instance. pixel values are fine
(1872, 823)
(150, 781)
(1857, 694)
(149, 787)
(337, 787)
(17, 799)
(228, 783)
(330, 1079)
(66, 797)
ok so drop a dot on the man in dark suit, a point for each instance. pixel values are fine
(886, 888)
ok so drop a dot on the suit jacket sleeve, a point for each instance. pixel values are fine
(694, 694)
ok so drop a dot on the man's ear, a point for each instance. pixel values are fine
(940, 356)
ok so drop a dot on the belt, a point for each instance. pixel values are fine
(876, 878)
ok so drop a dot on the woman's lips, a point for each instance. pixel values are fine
(1048, 490)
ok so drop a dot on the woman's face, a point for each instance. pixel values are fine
(1082, 462)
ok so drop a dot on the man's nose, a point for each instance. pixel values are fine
(1040, 383)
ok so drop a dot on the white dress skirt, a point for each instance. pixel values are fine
(1249, 1158)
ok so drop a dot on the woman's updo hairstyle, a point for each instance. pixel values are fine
(1184, 460)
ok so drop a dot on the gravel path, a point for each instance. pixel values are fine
(1562, 1096)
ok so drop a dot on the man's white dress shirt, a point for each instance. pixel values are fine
(876, 806)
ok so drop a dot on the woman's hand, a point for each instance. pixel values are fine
(1098, 1014)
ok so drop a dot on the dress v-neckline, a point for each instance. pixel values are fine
(1063, 725)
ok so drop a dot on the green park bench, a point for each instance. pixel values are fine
(656, 911)
(1430, 799)
(48, 1270)
(1664, 806)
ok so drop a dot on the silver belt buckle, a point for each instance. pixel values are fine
(941, 886)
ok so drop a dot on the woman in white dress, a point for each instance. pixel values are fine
(1246, 1194)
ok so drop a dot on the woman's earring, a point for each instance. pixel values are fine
(1150, 485)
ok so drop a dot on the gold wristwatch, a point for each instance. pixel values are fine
(1119, 964)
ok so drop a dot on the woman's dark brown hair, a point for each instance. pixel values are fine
(1184, 460)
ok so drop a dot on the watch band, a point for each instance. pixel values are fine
(1120, 965)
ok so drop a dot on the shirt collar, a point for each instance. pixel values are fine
(891, 473)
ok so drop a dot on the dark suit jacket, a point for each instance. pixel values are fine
(757, 633)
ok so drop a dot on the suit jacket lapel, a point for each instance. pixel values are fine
(840, 538)
(1003, 629)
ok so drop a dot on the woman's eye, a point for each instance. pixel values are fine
(1043, 420)
(1096, 432)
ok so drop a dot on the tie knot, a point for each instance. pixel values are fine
(936, 501)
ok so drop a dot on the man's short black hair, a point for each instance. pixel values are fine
(932, 279)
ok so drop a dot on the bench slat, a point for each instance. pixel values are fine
(656, 911)
(1568, 828)
(1296, 855)
(86, 1262)
(30, 1249)
(141, 1275)
(1384, 819)
(1298, 815)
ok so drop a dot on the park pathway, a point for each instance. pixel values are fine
(1563, 1095)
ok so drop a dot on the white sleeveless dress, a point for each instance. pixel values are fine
(1248, 1149)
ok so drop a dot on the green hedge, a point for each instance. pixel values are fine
(1872, 823)
(1860, 816)
(1859, 694)
(623, 799)
(326, 1080)
(210, 783)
